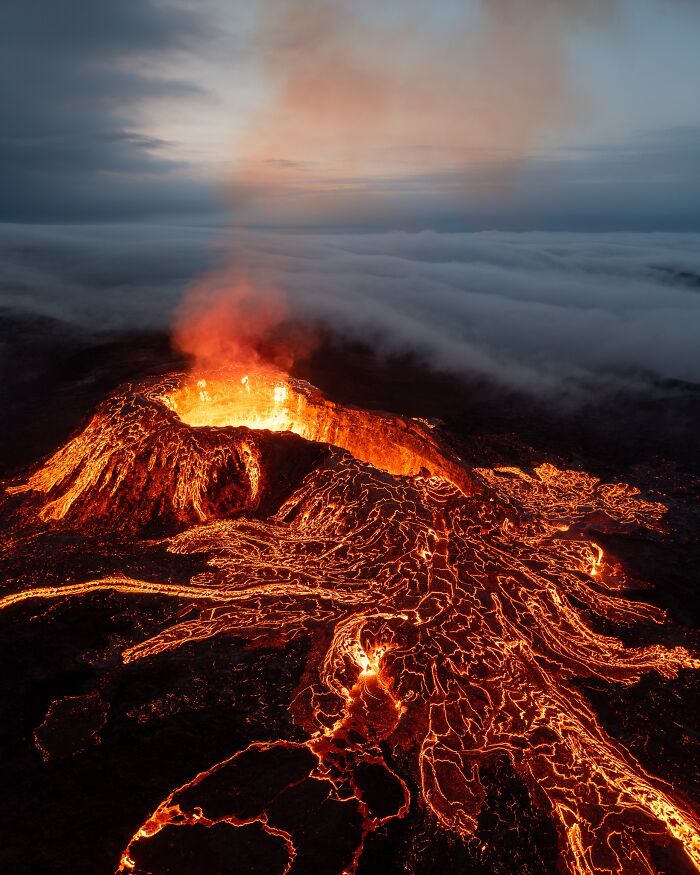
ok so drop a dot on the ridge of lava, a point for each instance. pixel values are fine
(180, 450)
(450, 613)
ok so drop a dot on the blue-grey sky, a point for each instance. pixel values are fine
(551, 114)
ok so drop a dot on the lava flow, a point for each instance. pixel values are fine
(449, 613)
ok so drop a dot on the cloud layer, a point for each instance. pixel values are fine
(557, 315)
(547, 313)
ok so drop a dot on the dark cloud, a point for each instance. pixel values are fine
(648, 184)
(72, 75)
(557, 315)
(652, 183)
(75, 73)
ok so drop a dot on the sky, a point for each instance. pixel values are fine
(503, 189)
(330, 114)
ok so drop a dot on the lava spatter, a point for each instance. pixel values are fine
(455, 609)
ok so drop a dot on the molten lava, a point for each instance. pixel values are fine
(400, 446)
(450, 613)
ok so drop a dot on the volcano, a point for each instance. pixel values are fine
(448, 616)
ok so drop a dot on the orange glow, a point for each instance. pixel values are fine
(357, 99)
(223, 319)
(271, 401)
(450, 610)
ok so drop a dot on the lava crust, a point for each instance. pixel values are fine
(449, 614)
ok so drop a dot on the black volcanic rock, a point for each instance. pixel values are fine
(137, 467)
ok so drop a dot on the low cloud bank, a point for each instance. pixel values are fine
(102, 277)
(558, 315)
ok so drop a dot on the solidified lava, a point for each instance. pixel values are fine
(450, 613)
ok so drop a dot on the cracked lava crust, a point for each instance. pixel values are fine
(449, 613)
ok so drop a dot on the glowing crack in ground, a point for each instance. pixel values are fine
(450, 612)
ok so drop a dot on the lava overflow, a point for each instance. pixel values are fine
(449, 613)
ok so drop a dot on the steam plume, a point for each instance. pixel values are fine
(227, 323)
(362, 92)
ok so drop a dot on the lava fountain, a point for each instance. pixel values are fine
(449, 614)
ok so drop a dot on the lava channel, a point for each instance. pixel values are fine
(455, 610)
